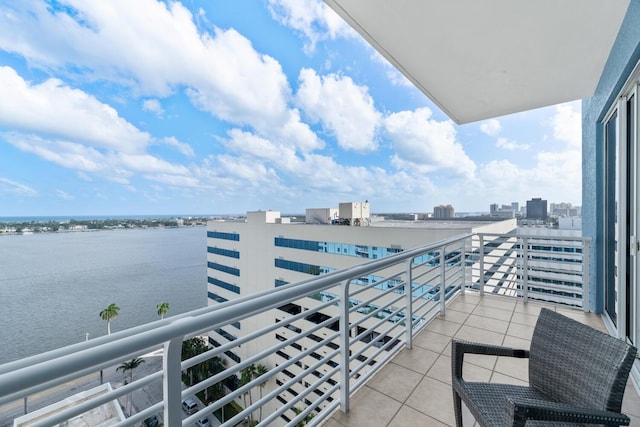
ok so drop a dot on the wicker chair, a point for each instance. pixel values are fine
(576, 375)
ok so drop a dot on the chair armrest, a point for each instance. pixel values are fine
(460, 348)
(519, 410)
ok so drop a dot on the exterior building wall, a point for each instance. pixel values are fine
(262, 243)
(624, 55)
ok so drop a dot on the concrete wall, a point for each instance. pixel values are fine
(623, 57)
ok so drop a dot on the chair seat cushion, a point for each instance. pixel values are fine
(487, 402)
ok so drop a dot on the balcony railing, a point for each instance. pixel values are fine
(332, 332)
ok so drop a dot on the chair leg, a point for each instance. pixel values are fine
(457, 408)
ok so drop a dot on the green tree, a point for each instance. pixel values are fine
(247, 374)
(260, 371)
(129, 366)
(108, 314)
(163, 307)
(305, 420)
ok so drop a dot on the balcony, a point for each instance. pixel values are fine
(367, 345)
(414, 389)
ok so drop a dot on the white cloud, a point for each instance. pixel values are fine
(9, 186)
(311, 18)
(64, 195)
(567, 124)
(508, 144)
(426, 145)
(153, 105)
(53, 108)
(344, 108)
(155, 48)
(490, 127)
(180, 146)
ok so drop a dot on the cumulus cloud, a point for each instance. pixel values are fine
(55, 109)
(313, 19)
(490, 127)
(156, 49)
(567, 124)
(74, 130)
(153, 105)
(426, 145)
(344, 108)
(508, 144)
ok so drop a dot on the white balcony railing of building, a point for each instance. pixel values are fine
(328, 335)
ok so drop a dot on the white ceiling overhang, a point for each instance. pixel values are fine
(478, 59)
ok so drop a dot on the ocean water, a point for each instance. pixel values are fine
(53, 285)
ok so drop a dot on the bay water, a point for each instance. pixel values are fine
(54, 285)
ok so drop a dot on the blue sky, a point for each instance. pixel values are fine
(201, 107)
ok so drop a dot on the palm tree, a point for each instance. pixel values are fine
(246, 375)
(111, 312)
(260, 371)
(130, 366)
(163, 307)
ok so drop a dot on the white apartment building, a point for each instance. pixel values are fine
(266, 251)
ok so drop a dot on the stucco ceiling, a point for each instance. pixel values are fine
(478, 59)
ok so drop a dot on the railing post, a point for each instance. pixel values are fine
(343, 307)
(463, 264)
(408, 289)
(525, 269)
(481, 255)
(443, 284)
(586, 275)
(172, 382)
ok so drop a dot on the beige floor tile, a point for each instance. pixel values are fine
(482, 360)
(441, 369)
(531, 308)
(524, 319)
(461, 306)
(493, 313)
(395, 381)
(635, 421)
(332, 423)
(591, 319)
(443, 327)
(369, 408)
(433, 397)
(487, 323)
(631, 401)
(432, 341)
(520, 331)
(408, 416)
(454, 316)
(515, 342)
(513, 367)
(417, 359)
(470, 333)
(508, 304)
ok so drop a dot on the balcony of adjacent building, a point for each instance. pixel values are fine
(391, 366)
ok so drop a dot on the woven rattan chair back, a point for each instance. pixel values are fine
(573, 363)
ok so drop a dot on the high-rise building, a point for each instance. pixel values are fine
(442, 211)
(267, 251)
(537, 208)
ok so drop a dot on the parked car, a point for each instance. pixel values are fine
(152, 421)
(190, 406)
(203, 422)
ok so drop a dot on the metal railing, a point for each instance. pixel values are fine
(331, 333)
(547, 268)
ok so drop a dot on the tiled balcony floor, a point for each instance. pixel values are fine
(414, 389)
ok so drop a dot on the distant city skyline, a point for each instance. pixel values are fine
(217, 107)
